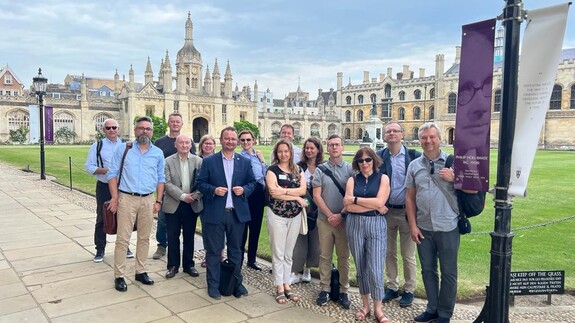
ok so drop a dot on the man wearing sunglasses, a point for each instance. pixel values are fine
(396, 158)
(433, 224)
(97, 163)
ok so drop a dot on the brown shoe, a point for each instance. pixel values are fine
(160, 252)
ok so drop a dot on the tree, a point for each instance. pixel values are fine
(19, 135)
(246, 125)
(64, 136)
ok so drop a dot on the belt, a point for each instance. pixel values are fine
(135, 194)
(229, 209)
(400, 206)
(370, 213)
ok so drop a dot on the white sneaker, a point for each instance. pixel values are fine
(306, 277)
(294, 278)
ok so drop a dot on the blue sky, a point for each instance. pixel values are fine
(276, 42)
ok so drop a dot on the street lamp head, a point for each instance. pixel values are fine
(40, 83)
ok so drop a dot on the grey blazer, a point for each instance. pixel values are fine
(174, 180)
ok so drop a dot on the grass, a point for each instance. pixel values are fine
(537, 247)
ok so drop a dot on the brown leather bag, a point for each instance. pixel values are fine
(111, 218)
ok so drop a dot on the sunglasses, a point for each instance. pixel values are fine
(246, 139)
(111, 128)
(431, 167)
(366, 160)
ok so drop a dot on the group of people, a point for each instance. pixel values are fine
(359, 208)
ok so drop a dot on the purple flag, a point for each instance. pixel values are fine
(473, 119)
(49, 124)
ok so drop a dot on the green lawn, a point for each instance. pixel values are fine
(550, 198)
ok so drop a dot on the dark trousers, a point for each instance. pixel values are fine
(102, 195)
(230, 229)
(256, 202)
(182, 221)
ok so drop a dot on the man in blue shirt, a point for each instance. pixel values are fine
(133, 198)
(97, 163)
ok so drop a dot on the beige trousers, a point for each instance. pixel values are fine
(330, 237)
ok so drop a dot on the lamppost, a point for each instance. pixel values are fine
(39, 84)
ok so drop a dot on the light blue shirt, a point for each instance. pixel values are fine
(397, 195)
(142, 171)
(106, 153)
(229, 170)
(258, 167)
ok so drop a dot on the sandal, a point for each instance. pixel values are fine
(291, 295)
(203, 264)
(281, 298)
(382, 319)
(361, 315)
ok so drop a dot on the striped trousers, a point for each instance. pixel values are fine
(367, 237)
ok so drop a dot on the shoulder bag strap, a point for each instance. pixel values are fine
(446, 194)
(128, 146)
(99, 161)
(329, 173)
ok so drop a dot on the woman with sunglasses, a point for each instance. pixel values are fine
(286, 185)
(366, 227)
(306, 251)
(256, 199)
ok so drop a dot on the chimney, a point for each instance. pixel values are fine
(406, 71)
(365, 77)
(399, 76)
(390, 72)
(381, 77)
(319, 92)
(457, 54)
(421, 72)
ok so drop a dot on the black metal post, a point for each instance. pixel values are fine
(496, 308)
(42, 157)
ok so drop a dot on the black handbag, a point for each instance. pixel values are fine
(229, 278)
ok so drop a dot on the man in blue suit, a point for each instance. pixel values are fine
(226, 180)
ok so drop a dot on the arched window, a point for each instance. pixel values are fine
(348, 100)
(314, 131)
(100, 121)
(276, 128)
(63, 120)
(572, 101)
(360, 115)
(347, 116)
(360, 99)
(417, 94)
(432, 94)
(415, 133)
(347, 133)
(387, 91)
(359, 134)
(497, 101)
(296, 130)
(386, 110)
(373, 97)
(18, 119)
(555, 102)
(452, 103)
(431, 112)
(331, 129)
(401, 113)
(401, 96)
(416, 113)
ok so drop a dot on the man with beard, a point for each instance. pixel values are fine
(133, 198)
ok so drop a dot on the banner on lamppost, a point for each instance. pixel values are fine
(473, 118)
(34, 135)
(540, 54)
(49, 124)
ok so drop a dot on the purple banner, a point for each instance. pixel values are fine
(473, 118)
(49, 124)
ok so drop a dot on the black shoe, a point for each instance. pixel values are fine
(144, 279)
(442, 320)
(344, 301)
(406, 299)
(426, 317)
(322, 298)
(99, 256)
(171, 273)
(120, 284)
(389, 295)
(242, 291)
(215, 295)
(254, 266)
(192, 272)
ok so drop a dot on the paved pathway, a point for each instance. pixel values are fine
(47, 274)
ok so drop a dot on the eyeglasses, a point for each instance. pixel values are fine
(431, 167)
(144, 129)
(246, 139)
(468, 90)
(366, 160)
(392, 131)
(333, 145)
(111, 127)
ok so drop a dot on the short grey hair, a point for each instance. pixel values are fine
(426, 126)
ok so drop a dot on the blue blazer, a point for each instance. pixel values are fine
(385, 155)
(212, 175)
